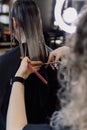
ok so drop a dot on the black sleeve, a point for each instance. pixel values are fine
(37, 127)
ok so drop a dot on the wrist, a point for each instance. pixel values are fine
(19, 74)
(18, 79)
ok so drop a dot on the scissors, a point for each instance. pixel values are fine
(54, 62)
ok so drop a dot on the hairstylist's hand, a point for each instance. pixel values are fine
(24, 71)
(57, 55)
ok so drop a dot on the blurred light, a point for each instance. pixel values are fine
(69, 15)
(5, 8)
(0, 8)
(4, 19)
(59, 20)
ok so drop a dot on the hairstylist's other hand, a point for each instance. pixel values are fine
(24, 71)
(57, 55)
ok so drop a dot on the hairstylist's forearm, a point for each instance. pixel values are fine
(16, 115)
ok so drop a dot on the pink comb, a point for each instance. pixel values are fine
(36, 72)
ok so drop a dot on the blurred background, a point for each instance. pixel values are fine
(58, 17)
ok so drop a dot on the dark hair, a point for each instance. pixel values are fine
(27, 14)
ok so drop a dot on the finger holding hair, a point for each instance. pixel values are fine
(24, 70)
(57, 55)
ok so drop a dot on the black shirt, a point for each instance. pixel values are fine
(40, 99)
(37, 127)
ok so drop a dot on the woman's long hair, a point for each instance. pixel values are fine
(73, 94)
(27, 14)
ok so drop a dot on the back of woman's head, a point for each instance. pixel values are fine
(27, 14)
(80, 47)
(73, 93)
